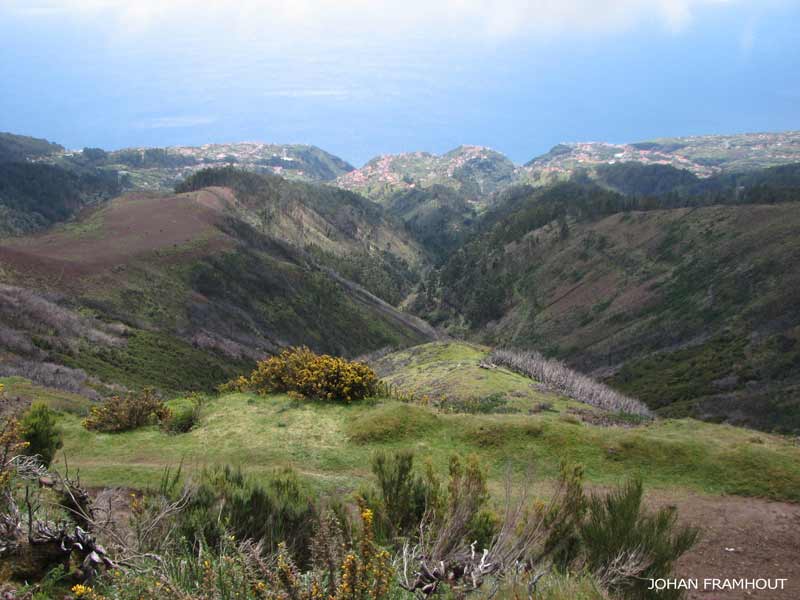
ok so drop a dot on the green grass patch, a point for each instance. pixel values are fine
(392, 423)
(331, 446)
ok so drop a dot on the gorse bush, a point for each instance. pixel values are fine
(42, 433)
(236, 570)
(123, 413)
(301, 371)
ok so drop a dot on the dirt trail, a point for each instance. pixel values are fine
(742, 538)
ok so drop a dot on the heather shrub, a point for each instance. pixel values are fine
(403, 498)
(625, 546)
(124, 413)
(42, 433)
(301, 371)
(271, 512)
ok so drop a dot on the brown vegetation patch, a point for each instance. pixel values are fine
(128, 227)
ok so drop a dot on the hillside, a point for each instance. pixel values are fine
(439, 218)
(162, 168)
(701, 155)
(474, 171)
(690, 309)
(175, 291)
(19, 148)
(34, 195)
(342, 230)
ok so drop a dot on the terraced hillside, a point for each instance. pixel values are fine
(474, 171)
(175, 291)
(701, 155)
(162, 168)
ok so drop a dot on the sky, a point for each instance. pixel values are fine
(361, 78)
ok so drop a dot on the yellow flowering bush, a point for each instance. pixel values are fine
(11, 445)
(86, 592)
(301, 371)
(123, 413)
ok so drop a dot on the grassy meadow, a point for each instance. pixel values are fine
(331, 444)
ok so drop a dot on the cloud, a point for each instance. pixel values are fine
(486, 18)
(747, 39)
(175, 122)
(309, 93)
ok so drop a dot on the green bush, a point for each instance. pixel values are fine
(402, 496)
(229, 502)
(181, 420)
(124, 413)
(42, 433)
(617, 530)
(184, 418)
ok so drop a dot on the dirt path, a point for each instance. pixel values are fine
(742, 538)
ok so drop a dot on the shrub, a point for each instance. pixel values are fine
(11, 445)
(124, 413)
(237, 571)
(273, 512)
(301, 371)
(403, 496)
(625, 547)
(42, 433)
(183, 419)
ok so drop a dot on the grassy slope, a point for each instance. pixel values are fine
(451, 369)
(331, 445)
(19, 388)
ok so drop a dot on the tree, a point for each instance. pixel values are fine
(42, 433)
